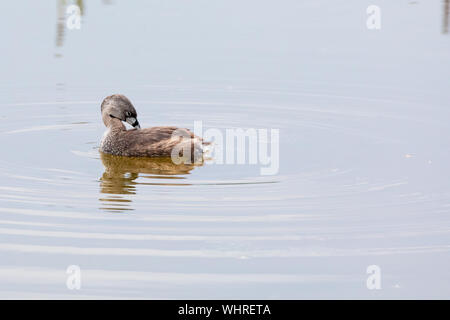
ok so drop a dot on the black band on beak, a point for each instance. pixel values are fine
(133, 121)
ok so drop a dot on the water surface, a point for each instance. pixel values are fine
(364, 150)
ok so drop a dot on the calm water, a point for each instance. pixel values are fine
(364, 150)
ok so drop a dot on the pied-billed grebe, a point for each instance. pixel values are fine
(137, 142)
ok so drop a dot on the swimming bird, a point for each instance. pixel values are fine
(137, 142)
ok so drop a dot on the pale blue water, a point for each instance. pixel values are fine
(364, 150)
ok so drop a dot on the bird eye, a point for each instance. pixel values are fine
(128, 114)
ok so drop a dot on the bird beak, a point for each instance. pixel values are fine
(133, 121)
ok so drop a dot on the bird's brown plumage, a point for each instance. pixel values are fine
(149, 142)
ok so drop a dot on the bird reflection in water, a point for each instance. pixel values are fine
(118, 182)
